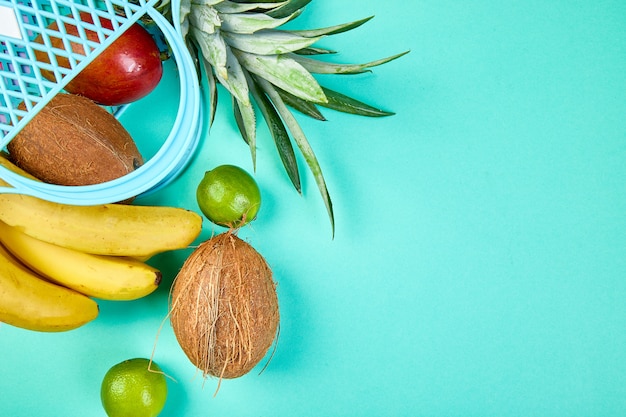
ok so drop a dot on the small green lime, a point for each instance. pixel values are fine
(228, 196)
(131, 389)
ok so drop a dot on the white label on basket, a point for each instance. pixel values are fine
(8, 23)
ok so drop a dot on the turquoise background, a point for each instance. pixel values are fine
(479, 261)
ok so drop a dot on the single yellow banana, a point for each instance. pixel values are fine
(104, 229)
(107, 229)
(30, 302)
(99, 276)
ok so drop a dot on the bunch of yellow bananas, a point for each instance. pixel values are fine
(55, 259)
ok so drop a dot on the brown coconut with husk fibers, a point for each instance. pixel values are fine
(224, 307)
(74, 141)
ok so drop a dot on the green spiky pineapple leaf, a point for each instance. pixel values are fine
(303, 145)
(279, 134)
(343, 103)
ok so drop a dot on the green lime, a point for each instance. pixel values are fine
(132, 389)
(228, 196)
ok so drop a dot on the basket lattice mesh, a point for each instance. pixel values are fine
(40, 37)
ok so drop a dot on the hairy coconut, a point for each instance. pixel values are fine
(74, 141)
(224, 307)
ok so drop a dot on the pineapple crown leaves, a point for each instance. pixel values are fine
(240, 45)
